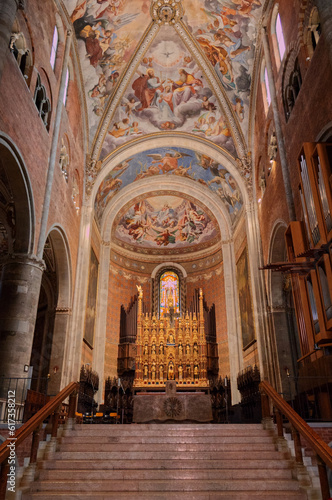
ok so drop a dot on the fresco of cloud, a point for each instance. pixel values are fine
(165, 221)
(107, 33)
(171, 161)
(168, 92)
(225, 31)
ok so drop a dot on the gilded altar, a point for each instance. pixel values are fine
(170, 348)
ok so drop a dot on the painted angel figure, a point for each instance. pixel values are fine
(168, 162)
(130, 105)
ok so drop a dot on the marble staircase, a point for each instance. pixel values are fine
(167, 461)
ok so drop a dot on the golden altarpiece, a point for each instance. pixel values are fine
(170, 348)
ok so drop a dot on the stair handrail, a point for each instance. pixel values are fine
(299, 427)
(34, 424)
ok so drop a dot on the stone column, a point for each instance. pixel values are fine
(61, 327)
(19, 294)
(98, 362)
(8, 9)
(264, 334)
(54, 148)
(325, 14)
(73, 347)
(233, 318)
(279, 134)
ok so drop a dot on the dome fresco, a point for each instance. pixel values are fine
(169, 221)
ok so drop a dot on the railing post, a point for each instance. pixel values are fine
(324, 482)
(35, 444)
(72, 409)
(297, 446)
(265, 406)
(280, 428)
(72, 405)
(29, 473)
(55, 422)
(51, 445)
(301, 471)
(3, 479)
(266, 415)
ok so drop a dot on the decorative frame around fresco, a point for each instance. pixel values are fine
(91, 300)
(248, 337)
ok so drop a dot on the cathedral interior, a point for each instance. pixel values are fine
(166, 198)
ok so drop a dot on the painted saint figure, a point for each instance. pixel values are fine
(184, 88)
(145, 88)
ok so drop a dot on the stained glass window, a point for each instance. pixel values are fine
(169, 292)
(54, 47)
(267, 87)
(280, 38)
(66, 88)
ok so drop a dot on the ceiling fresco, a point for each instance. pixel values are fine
(107, 33)
(165, 221)
(168, 92)
(171, 161)
(226, 31)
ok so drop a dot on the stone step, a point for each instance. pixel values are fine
(164, 430)
(166, 485)
(170, 464)
(164, 439)
(170, 447)
(151, 474)
(181, 495)
(165, 455)
(181, 426)
(166, 462)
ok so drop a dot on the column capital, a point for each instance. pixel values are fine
(20, 4)
(24, 259)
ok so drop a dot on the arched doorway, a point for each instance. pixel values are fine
(54, 309)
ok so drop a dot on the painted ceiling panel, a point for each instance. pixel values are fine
(226, 31)
(168, 92)
(171, 161)
(107, 33)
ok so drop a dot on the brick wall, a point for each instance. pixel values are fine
(20, 121)
(311, 113)
(121, 289)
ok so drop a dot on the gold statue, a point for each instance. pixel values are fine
(140, 291)
(170, 371)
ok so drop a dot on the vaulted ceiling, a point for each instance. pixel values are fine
(167, 68)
